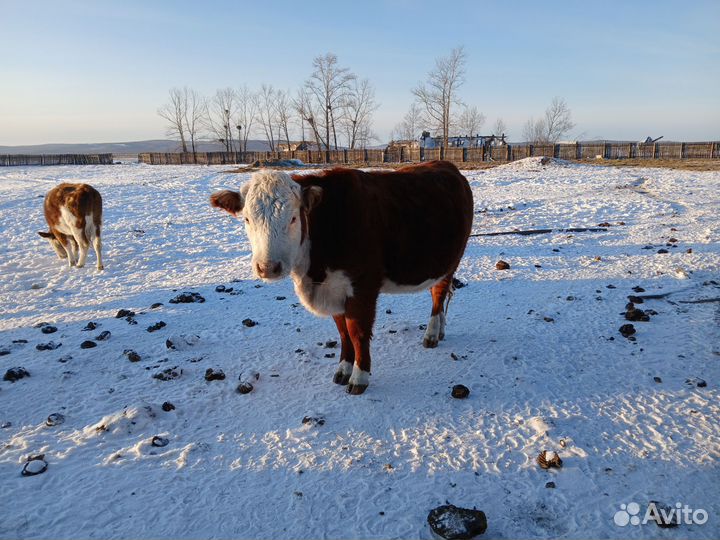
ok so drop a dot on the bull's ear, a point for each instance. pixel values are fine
(45, 234)
(230, 201)
(311, 197)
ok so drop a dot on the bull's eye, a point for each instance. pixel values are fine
(247, 220)
(293, 220)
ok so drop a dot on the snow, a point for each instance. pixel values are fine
(247, 466)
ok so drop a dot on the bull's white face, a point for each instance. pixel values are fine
(274, 208)
(271, 210)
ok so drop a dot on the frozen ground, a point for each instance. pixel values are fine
(245, 466)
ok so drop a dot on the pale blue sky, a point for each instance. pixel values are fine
(96, 71)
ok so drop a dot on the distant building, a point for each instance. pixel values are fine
(299, 146)
(465, 141)
(406, 144)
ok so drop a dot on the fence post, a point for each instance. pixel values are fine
(578, 150)
(683, 151)
(606, 151)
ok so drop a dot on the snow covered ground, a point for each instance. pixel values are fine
(537, 345)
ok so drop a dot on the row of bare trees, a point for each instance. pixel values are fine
(333, 107)
(438, 107)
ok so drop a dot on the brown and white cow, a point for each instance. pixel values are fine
(345, 236)
(74, 215)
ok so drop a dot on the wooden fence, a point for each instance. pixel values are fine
(510, 152)
(55, 159)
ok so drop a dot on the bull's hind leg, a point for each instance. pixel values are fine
(436, 327)
(347, 352)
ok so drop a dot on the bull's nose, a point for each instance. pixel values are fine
(268, 270)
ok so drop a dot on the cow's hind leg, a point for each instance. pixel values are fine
(436, 327)
(359, 317)
(68, 243)
(92, 230)
(347, 352)
(83, 251)
(81, 238)
(97, 246)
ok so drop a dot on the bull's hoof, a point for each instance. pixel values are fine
(430, 343)
(100, 267)
(356, 389)
(341, 378)
(441, 336)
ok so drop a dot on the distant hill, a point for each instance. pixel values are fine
(132, 147)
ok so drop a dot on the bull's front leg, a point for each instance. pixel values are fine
(347, 352)
(360, 317)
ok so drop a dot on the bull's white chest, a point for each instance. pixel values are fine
(326, 298)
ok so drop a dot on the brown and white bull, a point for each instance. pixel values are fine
(74, 215)
(345, 236)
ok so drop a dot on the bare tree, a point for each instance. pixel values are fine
(221, 109)
(284, 109)
(302, 110)
(175, 112)
(471, 121)
(364, 136)
(359, 105)
(558, 119)
(499, 128)
(534, 131)
(411, 125)
(247, 110)
(267, 113)
(438, 93)
(308, 111)
(328, 85)
(194, 114)
(551, 128)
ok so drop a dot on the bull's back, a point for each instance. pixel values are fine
(425, 220)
